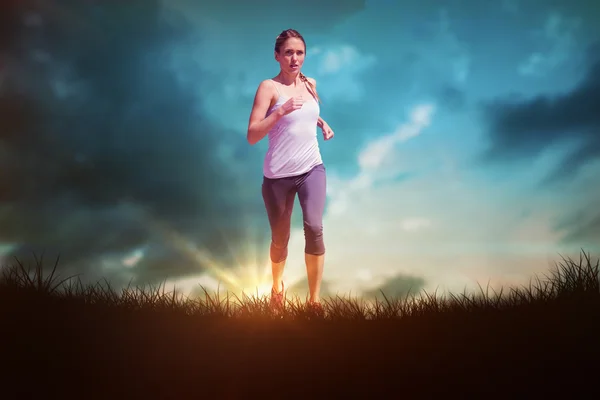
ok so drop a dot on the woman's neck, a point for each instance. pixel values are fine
(289, 79)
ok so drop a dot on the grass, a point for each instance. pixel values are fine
(149, 342)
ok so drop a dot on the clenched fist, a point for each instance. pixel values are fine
(294, 103)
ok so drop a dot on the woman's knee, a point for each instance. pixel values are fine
(313, 229)
(279, 244)
(279, 250)
(278, 254)
(313, 234)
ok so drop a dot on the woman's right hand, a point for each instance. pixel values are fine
(294, 103)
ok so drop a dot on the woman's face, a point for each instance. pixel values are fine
(291, 55)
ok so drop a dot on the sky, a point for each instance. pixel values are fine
(466, 147)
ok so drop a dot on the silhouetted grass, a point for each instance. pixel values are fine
(570, 282)
(235, 346)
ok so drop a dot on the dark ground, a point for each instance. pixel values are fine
(90, 353)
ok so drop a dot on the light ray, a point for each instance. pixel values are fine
(247, 277)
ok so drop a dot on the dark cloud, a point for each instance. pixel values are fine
(99, 141)
(584, 231)
(397, 287)
(452, 98)
(521, 128)
(273, 13)
(581, 222)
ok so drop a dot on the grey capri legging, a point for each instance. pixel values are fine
(278, 195)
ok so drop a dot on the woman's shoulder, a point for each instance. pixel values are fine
(269, 82)
(267, 86)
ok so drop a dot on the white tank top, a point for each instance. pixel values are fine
(293, 145)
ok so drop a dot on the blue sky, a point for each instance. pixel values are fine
(466, 143)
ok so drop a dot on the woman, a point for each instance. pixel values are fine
(286, 108)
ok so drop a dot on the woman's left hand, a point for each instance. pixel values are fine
(327, 132)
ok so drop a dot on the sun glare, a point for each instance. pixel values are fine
(247, 277)
(253, 281)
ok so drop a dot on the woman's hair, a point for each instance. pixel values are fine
(291, 33)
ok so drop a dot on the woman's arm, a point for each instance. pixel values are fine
(259, 126)
(321, 122)
(327, 131)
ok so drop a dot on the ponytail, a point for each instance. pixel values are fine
(311, 88)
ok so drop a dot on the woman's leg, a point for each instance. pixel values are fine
(278, 195)
(312, 195)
